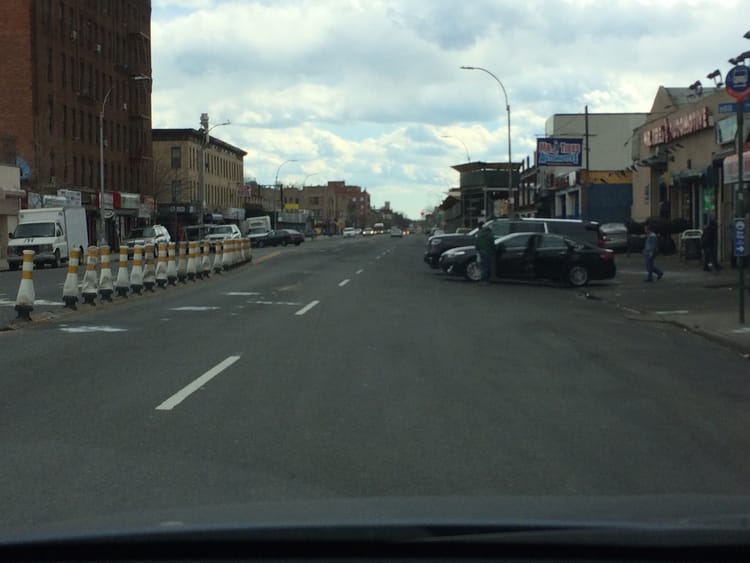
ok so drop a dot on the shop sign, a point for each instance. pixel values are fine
(72, 197)
(130, 201)
(558, 151)
(672, 128)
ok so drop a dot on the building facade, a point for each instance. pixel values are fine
(177, 178)
(71, 67)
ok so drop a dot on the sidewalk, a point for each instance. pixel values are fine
(705, 303)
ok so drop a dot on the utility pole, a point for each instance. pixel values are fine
(202, 175)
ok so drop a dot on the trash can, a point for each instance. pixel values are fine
(690, 244)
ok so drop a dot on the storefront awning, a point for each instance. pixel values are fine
(732, 169)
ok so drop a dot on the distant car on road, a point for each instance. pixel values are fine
(146, 235)
(536, 256)
(281, 237)
(396, 232)
(368, 232)
(349, 232)
(615, 235)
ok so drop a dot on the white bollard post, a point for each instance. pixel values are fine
(206, 259)
(89, 290)
(122, 285)
(218, 257)
(172, 264)
(149, 274)
(161, 266)
(136, 272)
(70, 287)
(105, 275)
(182, 262)
(26, 295)
(192, 263)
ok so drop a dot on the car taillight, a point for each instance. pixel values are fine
(609, 255)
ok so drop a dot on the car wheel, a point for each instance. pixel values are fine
(56, 260)
(578, 275)
(284, 243)
(473, 271)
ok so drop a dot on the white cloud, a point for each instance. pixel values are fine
(364, 91)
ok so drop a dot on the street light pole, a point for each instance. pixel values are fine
(507, 109)
(281, 188)
(204, 145)
(102, 235)
(468, 157)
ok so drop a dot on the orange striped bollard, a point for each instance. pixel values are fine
(26, 295)
(70, 287)
(182, 262)
(149, 273)
(218, 257)
(122, 285)
(136, 272)
(89, 278)
(205, 269)
(192, 263)
(161, 266)
(106, 287)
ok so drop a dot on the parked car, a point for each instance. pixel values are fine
(579, 231)
(349, 232)
(281, 237)
(536, 256)
(224, 232)
(615, 236)
(146, 235)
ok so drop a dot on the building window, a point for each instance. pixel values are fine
(49, 64)
(62, 69)
(176, 154)
(50, 115)
(65, 120)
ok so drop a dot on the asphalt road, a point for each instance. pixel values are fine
(347, 368)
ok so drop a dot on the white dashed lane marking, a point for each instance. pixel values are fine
(306, 308)
(344, 282)
(191, 388)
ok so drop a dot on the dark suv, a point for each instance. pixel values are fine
(580, 231)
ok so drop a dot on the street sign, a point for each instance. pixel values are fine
(739, 237)
(738, 82)
(731, 107)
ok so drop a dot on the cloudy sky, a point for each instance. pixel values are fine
(370, 91)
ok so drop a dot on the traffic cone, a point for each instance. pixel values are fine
(89, 278)
(161, 266)
(70, 287)
(122, 285)
(182, 262)
(172, 264)
(26, 295)
(105, 275)
(192, 263)
(149, 274)
(136, 272)
(206, 260)
(218, 257)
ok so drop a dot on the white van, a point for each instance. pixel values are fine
(50, 233)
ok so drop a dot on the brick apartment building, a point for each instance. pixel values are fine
(177, 157)
(65, 62)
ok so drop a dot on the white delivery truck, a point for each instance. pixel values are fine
(256, 227)
(50, 232)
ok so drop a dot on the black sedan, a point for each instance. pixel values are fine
(536, 256)
(280, 237)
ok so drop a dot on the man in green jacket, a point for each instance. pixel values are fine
(486, 249)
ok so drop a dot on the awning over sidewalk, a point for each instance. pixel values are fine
(731, 168)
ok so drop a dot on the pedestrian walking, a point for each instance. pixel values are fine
(486, 251)
(708, 246)
(649, 252)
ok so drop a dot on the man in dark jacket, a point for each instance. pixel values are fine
(486, 249)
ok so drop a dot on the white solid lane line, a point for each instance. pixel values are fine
(359, 271)
(191, 388)
(344, 282)
(307, 307)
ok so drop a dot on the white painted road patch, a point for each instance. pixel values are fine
(359, 271)
(242, 293)
(292, 303)
(306, 308)
(191, 388)
(86, 329)
(196, 308)
(344, 282)
(677, 312)
(39, 302)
